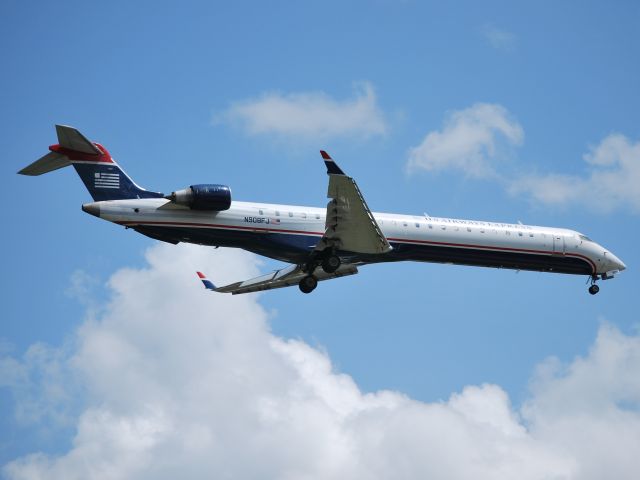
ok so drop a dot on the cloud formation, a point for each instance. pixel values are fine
(308, 115)
(470, 140)
(176, 381)
(473, 141)
(611, 181)
(498, 38)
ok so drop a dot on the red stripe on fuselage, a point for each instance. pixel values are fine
(500, 249)
(398, 240)
(224, 227)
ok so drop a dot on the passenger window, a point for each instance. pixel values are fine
(404, 223)
(261, 212)
(277, 213)
(431, 226)
(531, 235)
(291, 214)
(482, 230)
(508, 233)
(468, 229)
(519, 234)
(417, 225)
(304, 215)
(444, 227)
(317, 216)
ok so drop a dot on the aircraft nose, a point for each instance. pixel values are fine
(616, 262)
(92, 208)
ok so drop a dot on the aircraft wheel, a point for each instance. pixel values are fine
(331, 263)
(593, 289)
(308, 284)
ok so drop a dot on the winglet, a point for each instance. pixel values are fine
(208, 284)
(332, 167)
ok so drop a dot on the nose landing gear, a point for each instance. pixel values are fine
(593, 289)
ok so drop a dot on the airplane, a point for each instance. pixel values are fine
(318, 243)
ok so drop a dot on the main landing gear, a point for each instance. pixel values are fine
(308, 284)
(593, 289)
(330, 263)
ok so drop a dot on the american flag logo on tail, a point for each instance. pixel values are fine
(107, 180)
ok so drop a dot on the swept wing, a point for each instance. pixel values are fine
(285, 277)
(350, 225)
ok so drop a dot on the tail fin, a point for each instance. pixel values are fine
(208, 284)
(102, 176)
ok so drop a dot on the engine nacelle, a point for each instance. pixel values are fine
(203, 197)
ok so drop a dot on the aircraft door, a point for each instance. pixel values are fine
(558, 244)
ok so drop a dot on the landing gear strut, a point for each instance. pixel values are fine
(593, 289)
(308, 284)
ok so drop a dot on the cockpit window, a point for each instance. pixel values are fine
(585, 238)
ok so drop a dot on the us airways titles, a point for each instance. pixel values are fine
(518, 226)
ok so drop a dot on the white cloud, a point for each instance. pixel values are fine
(498, 38)
(469, 141)
(592, 406)
(308, 115)
(611, 182)
(179, 382)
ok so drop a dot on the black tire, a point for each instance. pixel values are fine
(593, 289)
(331, 263)
(308, 284)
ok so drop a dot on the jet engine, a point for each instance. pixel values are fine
(203, 197)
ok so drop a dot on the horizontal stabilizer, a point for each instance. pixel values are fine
(50, 162)
(69, 137)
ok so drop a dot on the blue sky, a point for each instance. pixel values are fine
(246, 94)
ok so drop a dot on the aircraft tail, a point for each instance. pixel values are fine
(100, 173)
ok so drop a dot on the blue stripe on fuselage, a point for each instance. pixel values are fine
(295, 248)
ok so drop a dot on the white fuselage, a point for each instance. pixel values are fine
(287, 232)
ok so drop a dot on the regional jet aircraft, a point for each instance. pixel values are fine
(319, 243)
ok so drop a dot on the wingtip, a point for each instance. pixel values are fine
(208, 284)
(332, 166)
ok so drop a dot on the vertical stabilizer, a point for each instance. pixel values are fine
(99, 172)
